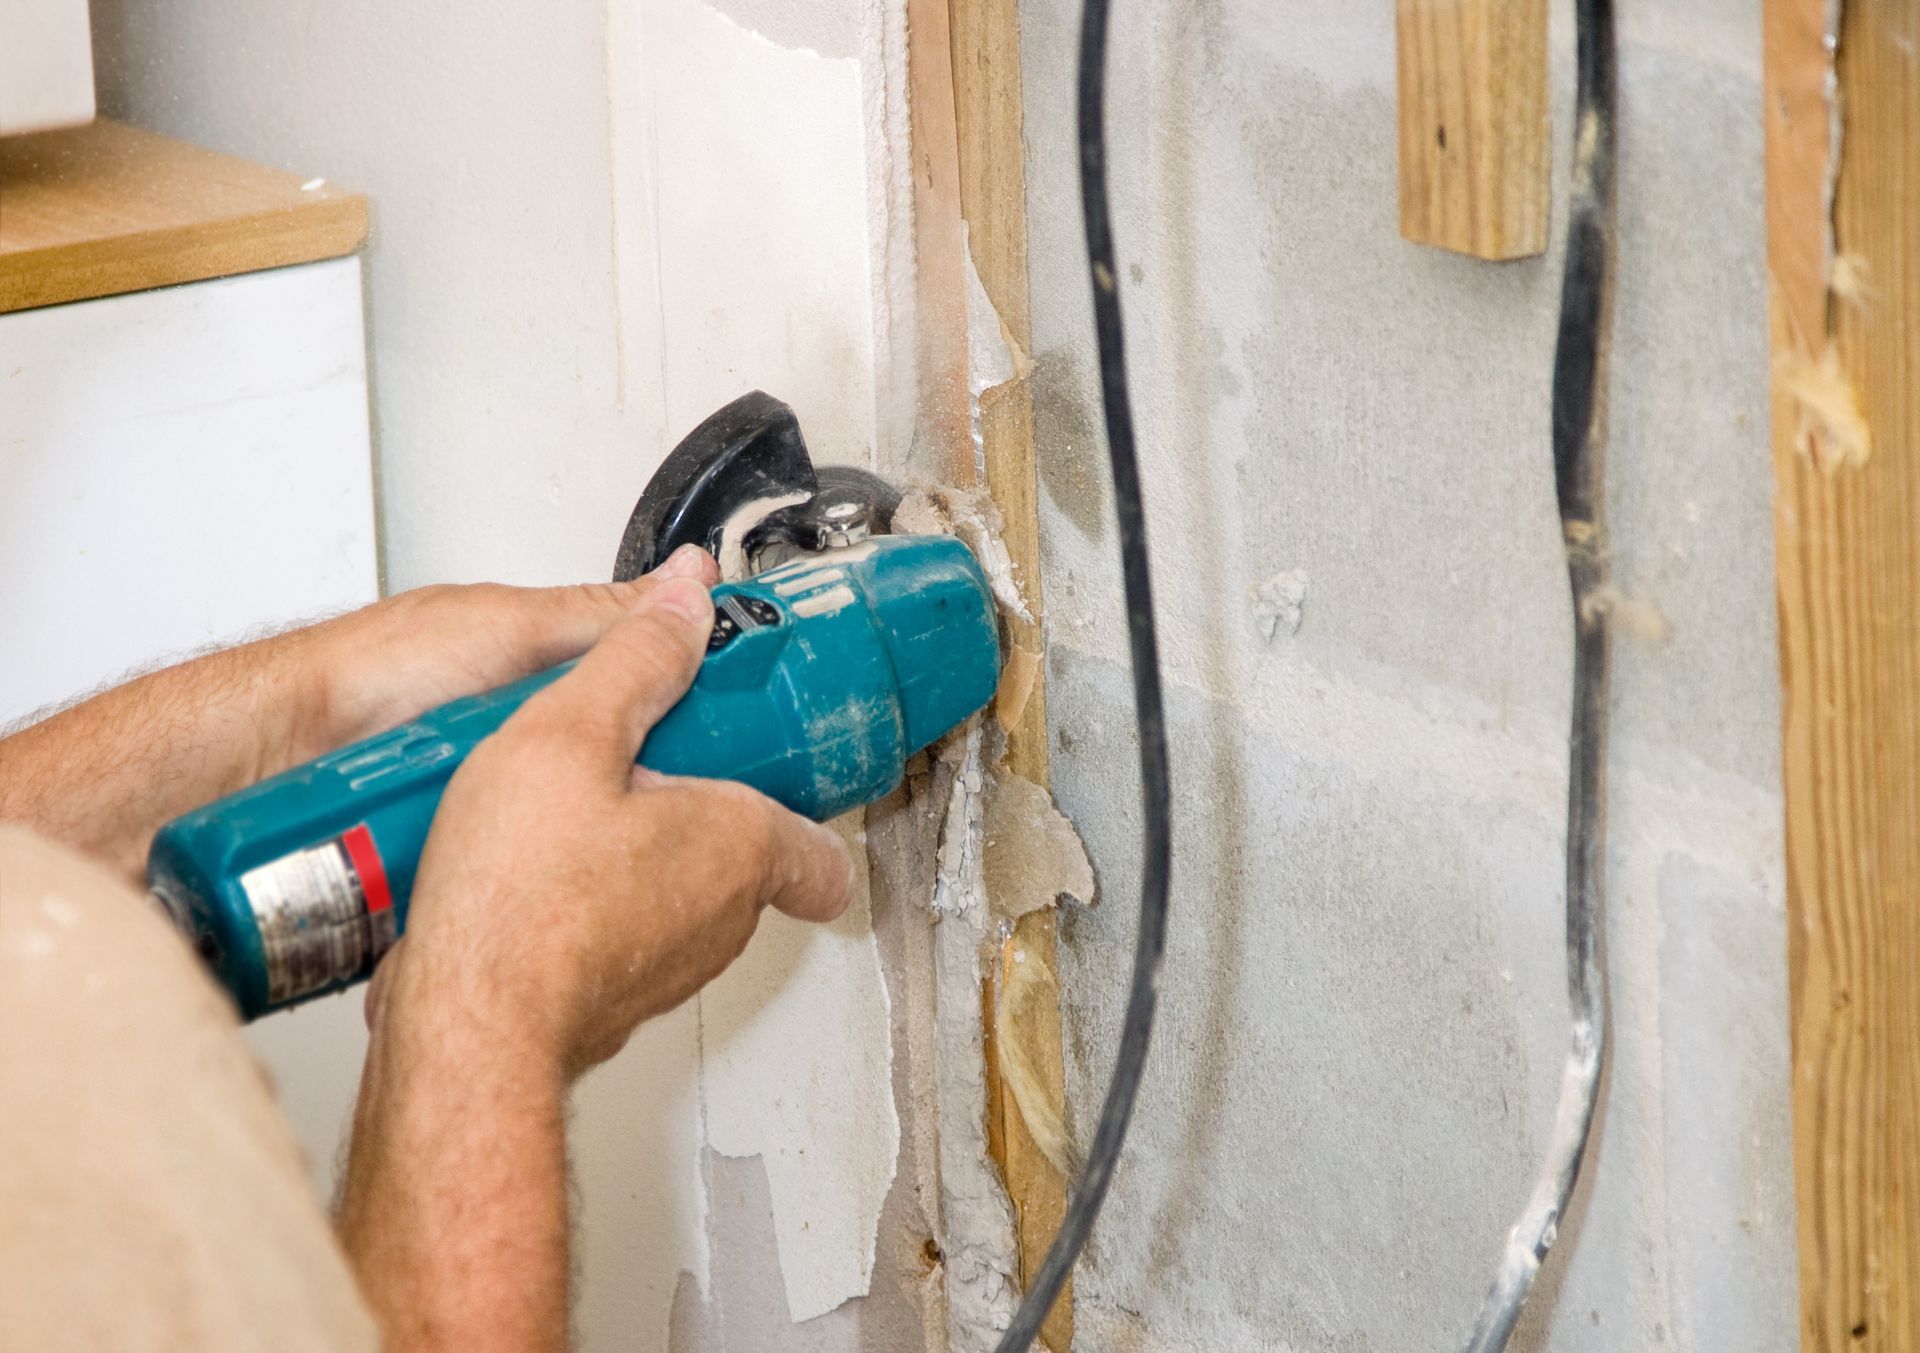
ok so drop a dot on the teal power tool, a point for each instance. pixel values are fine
(845, 651)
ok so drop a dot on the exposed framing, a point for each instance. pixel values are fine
(970, 198)
(1843, 245)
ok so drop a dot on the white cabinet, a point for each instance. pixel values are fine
(179, 468)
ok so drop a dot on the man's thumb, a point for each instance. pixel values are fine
(636, 673)
(557, 624)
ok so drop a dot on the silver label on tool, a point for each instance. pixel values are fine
(313, 920)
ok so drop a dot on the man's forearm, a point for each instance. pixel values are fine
(106, 774)
(454, 1209)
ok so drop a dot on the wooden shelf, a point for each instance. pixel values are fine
(107, 209)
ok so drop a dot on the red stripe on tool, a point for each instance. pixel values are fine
(366, 863)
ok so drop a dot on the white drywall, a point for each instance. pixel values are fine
(1364, 1005)
(592, 225)
(178, 468)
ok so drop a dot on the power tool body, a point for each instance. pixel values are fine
(843, 653)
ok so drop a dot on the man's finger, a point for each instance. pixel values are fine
(633, 676)
(796, 866)
(565, 622)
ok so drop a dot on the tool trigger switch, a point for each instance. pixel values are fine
(759, 610)
(734, 615)
(725, 630)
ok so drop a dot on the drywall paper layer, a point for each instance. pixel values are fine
(797, 1069)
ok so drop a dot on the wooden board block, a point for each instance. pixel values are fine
(1475, 143)
(106, 209)
(1846, 458)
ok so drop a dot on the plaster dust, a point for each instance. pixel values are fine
(1279, 602)
(979, 1251)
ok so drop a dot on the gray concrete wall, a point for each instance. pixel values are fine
(1364, 1013)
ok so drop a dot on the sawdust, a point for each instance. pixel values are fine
(1831, 430)
(1639, 620)
(1849, 283)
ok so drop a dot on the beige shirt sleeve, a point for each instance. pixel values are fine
(151, 1194)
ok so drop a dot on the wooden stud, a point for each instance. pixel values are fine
(1474, 132)
(993, 200)
(1845, 312)
(106, 209)
(940, 246)
(970, 172)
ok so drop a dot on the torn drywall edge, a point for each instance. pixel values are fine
(797, 1068)
(1019, 674)
(990, 358)
(1032, 852)
(883, 67)
(903, 833)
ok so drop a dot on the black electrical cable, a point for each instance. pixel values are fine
(1578, 430)
(1155, 791)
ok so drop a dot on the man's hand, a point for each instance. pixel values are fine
(564, 897)
(106, 774)
(395, 660)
